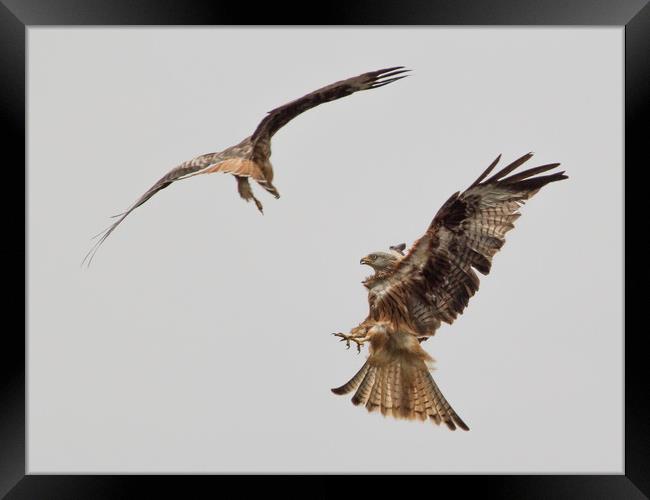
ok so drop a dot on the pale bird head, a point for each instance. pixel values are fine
(381, 261)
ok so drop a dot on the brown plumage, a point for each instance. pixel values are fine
(250, 159)
(410, 295)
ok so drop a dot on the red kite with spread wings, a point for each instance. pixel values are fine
(410, 295)
(250, 159)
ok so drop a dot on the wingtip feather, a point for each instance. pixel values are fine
(487, 171)
(509, 168)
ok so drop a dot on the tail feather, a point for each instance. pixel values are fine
(388, 394)
(363, 392)
(418, 399)
(374, 401)
(402, 390)
(446, 412)
(353, 382)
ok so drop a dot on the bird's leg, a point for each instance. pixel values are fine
(356, 335)
(351, 338)
(269, 187)
(246, 192)
(258, 204)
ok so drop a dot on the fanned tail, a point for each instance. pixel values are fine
(401, 388)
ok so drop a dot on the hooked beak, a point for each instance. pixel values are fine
(364, 261)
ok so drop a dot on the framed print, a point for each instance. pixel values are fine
(197, 344)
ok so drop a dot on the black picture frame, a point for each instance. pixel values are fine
(17, 15)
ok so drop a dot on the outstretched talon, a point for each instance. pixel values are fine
(348, 338)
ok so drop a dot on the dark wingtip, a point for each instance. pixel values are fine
(381, 83)
(539, 182)
(486, 172)
(509, 168)
(338, 390)
(385, 76)
(386, 70)
(530, 173)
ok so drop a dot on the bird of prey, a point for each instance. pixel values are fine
(250, 159)
(410, 295)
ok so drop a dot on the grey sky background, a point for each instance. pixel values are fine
(199, 340)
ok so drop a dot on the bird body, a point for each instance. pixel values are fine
(250, 159)
(409, 296)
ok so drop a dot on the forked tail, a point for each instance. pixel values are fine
(401, 388)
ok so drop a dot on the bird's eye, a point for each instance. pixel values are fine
(373, 257)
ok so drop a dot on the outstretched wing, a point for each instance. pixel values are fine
(436, 278)
(207, 163)
(279, 117)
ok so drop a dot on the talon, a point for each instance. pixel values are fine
(343, 338)
(348, 339)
